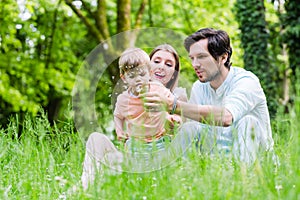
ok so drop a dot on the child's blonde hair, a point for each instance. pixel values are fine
(131, 58)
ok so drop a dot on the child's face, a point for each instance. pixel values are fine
(137, 79)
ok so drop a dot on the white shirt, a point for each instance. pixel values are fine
(241, 94)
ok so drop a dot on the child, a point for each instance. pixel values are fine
(132, 121)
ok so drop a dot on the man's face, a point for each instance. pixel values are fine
(137, 78)
(206, 67)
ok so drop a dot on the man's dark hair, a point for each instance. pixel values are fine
(218, 42)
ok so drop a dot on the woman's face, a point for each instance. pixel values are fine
(162, 66)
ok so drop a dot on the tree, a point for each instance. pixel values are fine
(254, 40)
(95, 18)
(44, 43)
(37, 57)
(291, 34)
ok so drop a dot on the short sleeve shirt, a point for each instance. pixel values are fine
(138, 122)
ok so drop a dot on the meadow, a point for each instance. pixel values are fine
(45, 162)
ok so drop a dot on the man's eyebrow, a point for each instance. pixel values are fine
(199, 54)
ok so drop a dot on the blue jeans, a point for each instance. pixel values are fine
(145, 157)
(134, 146)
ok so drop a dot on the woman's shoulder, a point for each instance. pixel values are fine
(180, 93)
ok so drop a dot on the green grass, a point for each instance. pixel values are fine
(47, 161)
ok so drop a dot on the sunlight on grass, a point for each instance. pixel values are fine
(46, 161)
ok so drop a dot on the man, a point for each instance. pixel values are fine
(229, 102)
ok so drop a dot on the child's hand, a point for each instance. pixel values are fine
(122, 137)
(173, 121)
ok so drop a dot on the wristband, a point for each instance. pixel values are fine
(174, 105)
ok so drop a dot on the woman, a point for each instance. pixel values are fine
(165, 67)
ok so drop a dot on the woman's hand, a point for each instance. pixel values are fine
(155, 101)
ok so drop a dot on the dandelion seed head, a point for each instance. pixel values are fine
(105, 46)
(62, 196)
(278, 187)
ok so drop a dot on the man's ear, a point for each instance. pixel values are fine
(224, 58)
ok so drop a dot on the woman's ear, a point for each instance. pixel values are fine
(123, 78)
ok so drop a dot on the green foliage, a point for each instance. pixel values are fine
(11, 98)
(291, 32)
(42, 53)
(189, 16)
(254, 40)
(38, 57)
(276, 50)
